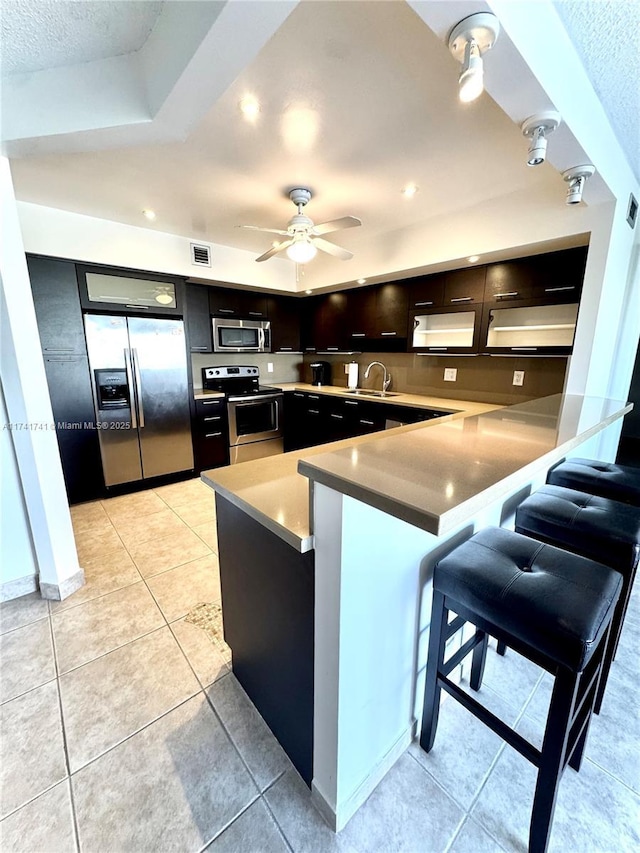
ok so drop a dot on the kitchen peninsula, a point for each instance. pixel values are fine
(326, 558)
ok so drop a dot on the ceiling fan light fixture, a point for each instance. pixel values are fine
(301, 250)
(468, 40)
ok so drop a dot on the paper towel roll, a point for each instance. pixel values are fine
(352, 378)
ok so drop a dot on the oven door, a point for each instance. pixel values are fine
(241, 335)
(256, 418)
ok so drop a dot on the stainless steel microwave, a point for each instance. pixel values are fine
(241, 335)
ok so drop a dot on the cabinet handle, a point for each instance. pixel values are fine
(508, 293)
(309, 349)
(339, 417)
(285, 349)
(58, 349)
(138, 307)
(313, 397)
(462, 299)
(418, 304)
(313, 411)
(212, 434)
(255, 313)
(557, 289)
(387, 333)
(214, 418)
(295, 394)
(357, 334)
(199, 349)
(331, 348)
(351, 402)
(210, 402)
(225, 311)
(528, 349)
(438, 348)
(368, 423)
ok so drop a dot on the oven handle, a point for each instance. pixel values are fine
(247, 398)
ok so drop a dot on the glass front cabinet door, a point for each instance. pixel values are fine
(530, 330)
(446, 331)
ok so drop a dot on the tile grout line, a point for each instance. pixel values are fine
(65, 746)
(26, 625)
(272, 813)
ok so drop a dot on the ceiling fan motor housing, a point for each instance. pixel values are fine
(299, 222)
(300, 196)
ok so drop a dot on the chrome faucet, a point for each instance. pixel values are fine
(386, 379)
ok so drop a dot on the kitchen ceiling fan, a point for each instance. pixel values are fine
(303, 238)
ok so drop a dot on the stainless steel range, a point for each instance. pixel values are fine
(255, 411)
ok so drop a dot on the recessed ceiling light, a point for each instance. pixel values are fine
(409, 191)
(473, 258)
(308, 291)
(250, 107)
(362, 281)
(149, 214)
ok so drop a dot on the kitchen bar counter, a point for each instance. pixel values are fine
(272, 492)
(419, 401)
(439, 478)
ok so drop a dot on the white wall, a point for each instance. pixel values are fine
(17, 557)
(27, 401)
(62, 234)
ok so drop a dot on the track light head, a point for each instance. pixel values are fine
(576, 178)
(537, 128)
(468, 40)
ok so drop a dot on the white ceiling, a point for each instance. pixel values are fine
(357, 99)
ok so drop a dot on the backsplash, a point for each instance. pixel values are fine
(480, 379)
(286, 368)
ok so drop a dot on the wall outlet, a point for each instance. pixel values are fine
(270, 367)
(518, 377)
(450, 374)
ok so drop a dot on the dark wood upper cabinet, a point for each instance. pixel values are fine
(426, 291)
(227, 302)
(554, 277)
(464, 287)
(198, 319)
(285, 316)
(55, 295)
(329, 324)
(361, 314)
(392, 306)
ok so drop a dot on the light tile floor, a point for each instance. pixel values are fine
(124, 730)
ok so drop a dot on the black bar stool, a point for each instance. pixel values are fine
(551, 606)
(598, 528)
(617, 482)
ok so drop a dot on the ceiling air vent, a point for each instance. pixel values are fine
(200, 255)
(632, 210)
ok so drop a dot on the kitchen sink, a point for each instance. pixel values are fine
(365, 393)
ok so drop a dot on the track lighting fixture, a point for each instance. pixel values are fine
(576, 178)
(537, 128)
(468, 40)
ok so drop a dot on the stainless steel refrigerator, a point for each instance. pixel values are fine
(138, 369)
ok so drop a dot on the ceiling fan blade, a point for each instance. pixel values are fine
(274, 250)
(336, 225)
(268, 230)
(331, 249)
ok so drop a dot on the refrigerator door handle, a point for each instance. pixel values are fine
(132, 398)
(136, 371)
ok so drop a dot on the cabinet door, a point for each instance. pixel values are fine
(284, 315)
(464, 287)
(392, 306)
(530, 328)
(426, 291)
(313, 422)
(560, 275)
(511, 280)
(74, 415)
(224, 302)
(447, 330)
(198, 318)
(294, 408)
(130, 291)
(57, 302)
(329, 323)
(361, 314)
(252, 306)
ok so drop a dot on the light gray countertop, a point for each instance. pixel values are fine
(439, 478)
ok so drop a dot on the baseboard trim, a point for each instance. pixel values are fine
(58, 592)
(18, 587)
(339, 818)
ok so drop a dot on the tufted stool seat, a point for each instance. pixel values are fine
(595, 527)
(553, 607)
(617, 482)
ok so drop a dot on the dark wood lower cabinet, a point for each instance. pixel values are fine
(268, 605)
(210, 434)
